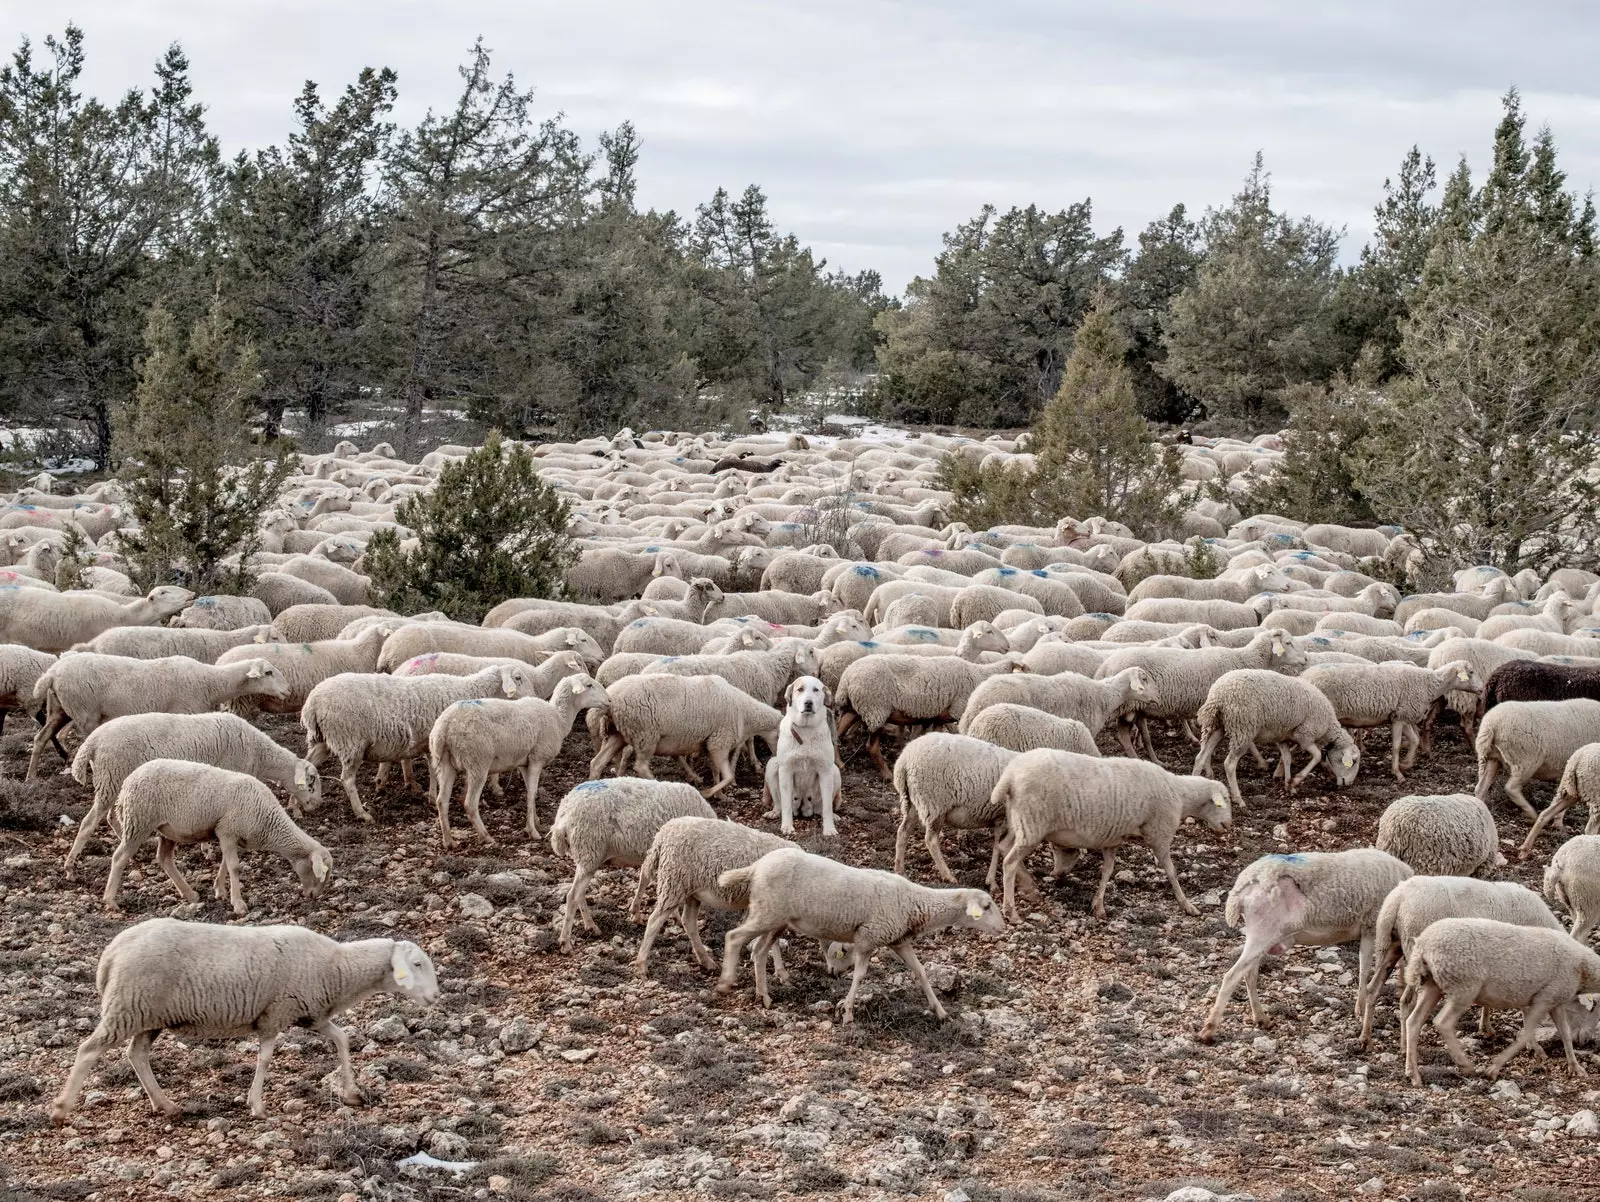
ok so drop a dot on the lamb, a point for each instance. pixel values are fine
(865, 907)
(183, 802)
(601, 822)
(107, 757)
(542, 680)
(685, 860)
(1417, 902)
(1084, 802)
(361, 716)
(1402, 696)
(1580, 781)
(1024, 728)
(946, 780)
(315, 623)
(1249, 706)
(1313, 899)
(1572, 878)
(497, 641)
(223, 612)
(206, 981)
(87, 689)
(1533, 680)
(1480, 962)
(881, 689)
(483, 736)
(762, 674)
(1068, 695)
(1446, 835)
(303, 666)
(55, 622)
(160, 642)
(20, 669)
(1532, 740)
(678, 715)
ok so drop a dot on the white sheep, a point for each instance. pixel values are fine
(542, 679)
(1580, 782)
(1249, 706)
(762, 674)
(1466, 962)
(946, 780)
(160, 642)
(223, 612)
(601, 822)
(112, 752)
(202, 980)
(1080, 802)
(1451, 834)
(279, 591)
(362, 716)
(303, 666)
(20, 669)
(1532, 740)
(493, 641)
(865, 907)
(1483, 657)
(1400, 696)
(1024, 728)
(55, 622)
(1067, 695)
(480, 737)
(183, 802)
(1309, 899)
(1573, 879)
(314, 623)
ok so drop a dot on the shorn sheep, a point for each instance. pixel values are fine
(864, 907)
(946, 780)
(614, 822)
(1532, 740)
(203, 981)
(181, 802)
(1309, 899)
(1249, 706)
(1448, 835)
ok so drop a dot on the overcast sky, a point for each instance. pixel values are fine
(874, 126)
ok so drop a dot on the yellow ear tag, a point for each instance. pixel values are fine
(1218, 803)
(1277, 650)
(1347, 761)
(509, 687)
(655, 571)
(300, 777)
(1461, 675)
(402, 975)
(974, 910)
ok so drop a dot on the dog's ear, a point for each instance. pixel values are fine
(827, 698)
(788, 689)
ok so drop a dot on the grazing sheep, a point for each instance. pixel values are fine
(1468, 962)
(484, 736)
(944, 781)
(362, 716)
(1310, 899)
(55, 622)
(223, 612)
(87, 689)
(161, 642)
(1024, 728)
(1580, 781)
(865, 907)
(1445, 835)
(1083, 802)
(107, 757)
(1250, 706)
(1532, 740)
(1573, 879)
(490, 641)
(677, 716)
(183, 802)
(614, 822)
(1483, 658)
(206, 981)
(303, 666)
(1397, 695)
(1068, 695)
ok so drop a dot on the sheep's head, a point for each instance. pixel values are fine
(263, 679)
(1209, 804)
(585, 691)
(1343, 759)
(979, 912)
(582, 643)
(168, 599)
(516, 681)
(307, 786)
(315, 871)
(1462, 677)
(411, 972)
(806, 661)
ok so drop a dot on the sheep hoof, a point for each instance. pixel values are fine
(353, 1098)
(723, 987)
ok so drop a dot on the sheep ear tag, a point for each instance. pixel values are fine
(402, 970)
(300, 778)
(974, 910)
(509, 688)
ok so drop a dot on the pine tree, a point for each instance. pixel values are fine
(1169, 259)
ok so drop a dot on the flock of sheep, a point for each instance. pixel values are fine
(756, 591)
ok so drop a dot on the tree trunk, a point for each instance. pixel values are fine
(416, 387)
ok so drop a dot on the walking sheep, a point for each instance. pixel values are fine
(54, 622)
(946, 780)
(1532, 740)
(1580, 782)
(1573, 879)
(1400, 696)
(205, 981)
(1023, 728)
(1249, 706)
(1448, 835)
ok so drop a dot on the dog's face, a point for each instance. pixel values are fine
(808, 696)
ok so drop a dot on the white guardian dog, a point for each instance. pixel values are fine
(805, 765)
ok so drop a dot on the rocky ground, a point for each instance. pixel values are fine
(1068, 1070)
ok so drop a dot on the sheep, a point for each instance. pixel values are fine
(946, 780)
(678, 715)
(106, 758)
(542, 680)
(1310, 899)
(497, 641)
(1084, 802)
(349, 588)
(1531, 740)
(1445, 835)
(1024, 728)
(1057, 597)
(685, 860)
(881, 689)
(913, 610)
(1249, 706)
(1419, 901)
(600, 624)
(1238, 586)
(1580, 781)
(666, 636)
(484, 736)
(1399, 695)
(1182, 678)
(1053, 658)
(985, 602)
(1222, 615)
(1068, 695)
(1472, 605)
(1483, 657)
(206, 981)
(20, 669)
(315, 623)
(55, 622)
(87, 689)
(1469, 962)
(976, 646)
(304, 666)
(223, 612)
(1551, 618)
(865, 907)
(763, 674)
(183, 802)
(159, 642)
(1572, 878)
(1533, 643)
(1351, 623)
(1533, 680)
(791, 608)
(690, 607)
(279, 591)
(601, 822)
(362, 716)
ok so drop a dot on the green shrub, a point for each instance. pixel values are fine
(490, 529)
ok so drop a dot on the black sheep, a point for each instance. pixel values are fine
(1532, 680)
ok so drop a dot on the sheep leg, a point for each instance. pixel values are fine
(230, 865)
(1015, 854)
(1418, 742)
(652, 928)
(636, 906)
(1583, 924)
(1531, 1018)
(608, 751)
(1255, 753)
(1108, 864)
(687, 767)
(1258, 1012)
(758, 965)
(1000, 845)
(1144, 733)
(1425, 1001)
(91, 823)
(580, 882)
(258, 1084)
(496, 789)
(55, 720)
(902, 837)
(1487, 771)
(1564, 1029)
(908, 957)
(732, 945)
(406, 777)
(1063, 860)
(335, 1035)
(863, 957)
(1230, 771)
(930, 839)
(1515, 779)
(119, 865)
(1164, 858)
(875, 752)
(1554, 812)
(775, 950)
(530, 785)
(473, 803)
(347, 778)
(1125, 733)
(1369, 1002)
(643, 752)
(166, 856)
(1445, 1021)
(722, 767)
(1397, 736)
(1363, 967)
(1315, 752)
(689, 917)
(89, 1053)
(444, 776)
(1208, 749)
(139, 1057)
(1257, 943)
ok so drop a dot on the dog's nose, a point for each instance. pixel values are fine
(807, 707)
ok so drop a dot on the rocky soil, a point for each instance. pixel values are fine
(1068, 1070)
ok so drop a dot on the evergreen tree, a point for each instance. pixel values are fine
(1168, 261)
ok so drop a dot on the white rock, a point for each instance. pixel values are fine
(1583, 1123)
(474, 905)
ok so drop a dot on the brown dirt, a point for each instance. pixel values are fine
(1068, 1070)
